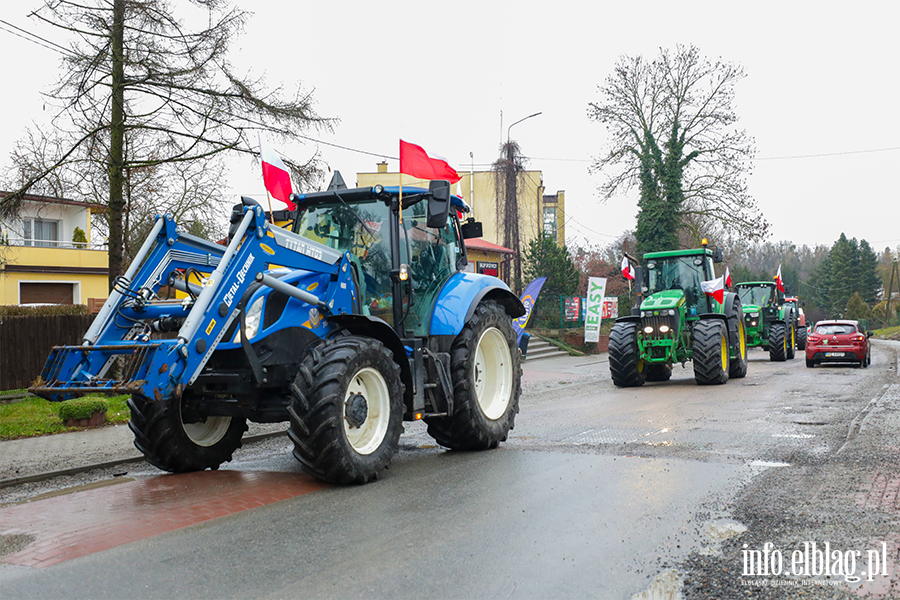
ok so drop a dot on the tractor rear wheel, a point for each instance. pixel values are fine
(801, 338)
(778, 342)
(659, 372)
(711, 360)
(174, 439)
(791, 341)
(346, 411)
(625, 364)
(487, 382)
(737, 337)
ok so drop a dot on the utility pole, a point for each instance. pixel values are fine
(890, 291)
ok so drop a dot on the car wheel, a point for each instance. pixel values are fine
(810, 363)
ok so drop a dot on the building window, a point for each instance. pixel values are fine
(550, 221)
(41, 233)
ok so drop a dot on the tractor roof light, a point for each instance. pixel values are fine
(704, 242)
(404, 272)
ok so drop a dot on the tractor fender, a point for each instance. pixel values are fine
(731, 302)
(460, 297)
(377, 329)
(628, 318)
(719, 316)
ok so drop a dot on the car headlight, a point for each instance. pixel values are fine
(254, 317)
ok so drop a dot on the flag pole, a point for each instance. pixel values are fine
(401, 197)
(271, 216)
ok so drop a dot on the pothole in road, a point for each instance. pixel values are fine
(724, 529)
(815, 423)
(665, 586)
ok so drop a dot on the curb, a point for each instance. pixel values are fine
(4, 483)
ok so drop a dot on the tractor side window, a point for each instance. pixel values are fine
(433, 255)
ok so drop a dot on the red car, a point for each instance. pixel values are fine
(839, 342)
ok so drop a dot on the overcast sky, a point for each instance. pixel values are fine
(820, 97)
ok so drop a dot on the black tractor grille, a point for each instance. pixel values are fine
(657, 321)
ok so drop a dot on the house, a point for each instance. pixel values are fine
(40, 261)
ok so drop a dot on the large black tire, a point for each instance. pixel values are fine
(487, 382)
(737, 340)
(778, 342)
(711, 361)
(801, 338)
(658, 372)
(791, 341)
(170, 444)
(625, 365)
(346, 411)
(810, 364)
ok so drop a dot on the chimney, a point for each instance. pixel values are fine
(382, 167)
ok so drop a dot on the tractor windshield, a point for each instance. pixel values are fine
(365, 238)
(754, 295)
(677, 272)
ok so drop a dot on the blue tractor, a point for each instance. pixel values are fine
(357, 318)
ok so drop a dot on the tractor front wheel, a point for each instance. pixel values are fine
(801, 338)
(625, 365)
(174, 438)
(711, 361)
(487, 383)
(778, 342)
(346, 411)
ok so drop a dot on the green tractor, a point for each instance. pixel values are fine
(771, 324)
(674, 321)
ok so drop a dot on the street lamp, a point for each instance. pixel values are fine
(517, 122)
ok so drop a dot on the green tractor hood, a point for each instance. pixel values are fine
(663, 300)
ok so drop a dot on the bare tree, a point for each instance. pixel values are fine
(508, 170)
(139, 90)
(673, 134)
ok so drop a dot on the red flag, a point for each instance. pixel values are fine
(779, 282)
(727, 277)
(627, 270)
(715, 288)
(276, 177)
(416, 162)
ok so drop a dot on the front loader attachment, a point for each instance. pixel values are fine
(119, 354)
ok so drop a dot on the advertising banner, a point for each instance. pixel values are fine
(572, 308)
(529, 297)
(610, 308)
(595, 294)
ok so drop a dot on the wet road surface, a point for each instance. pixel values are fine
(599, 493)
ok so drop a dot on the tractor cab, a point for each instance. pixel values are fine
(769, 321)
(673, 279)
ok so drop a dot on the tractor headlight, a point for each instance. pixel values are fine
(648, 329)
(643, 314)
(254, 317)
(664, 329)
(671, 312)
(753, 323)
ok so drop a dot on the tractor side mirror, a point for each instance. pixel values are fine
(471, 229)
(718, 255)
(438, 204)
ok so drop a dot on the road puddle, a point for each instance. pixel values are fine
(665, 586)
(767, 463)
(724, 529)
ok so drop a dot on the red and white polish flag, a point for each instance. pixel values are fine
(727, 277)
(276, 176)
(779, 282)
(416, 162)
(715, 288)
(627, 270)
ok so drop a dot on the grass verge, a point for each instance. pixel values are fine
(891, 333)
(36, 416)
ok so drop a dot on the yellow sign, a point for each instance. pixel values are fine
(209, 328)
(267, 250)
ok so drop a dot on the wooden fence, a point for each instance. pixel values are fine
(25, 343)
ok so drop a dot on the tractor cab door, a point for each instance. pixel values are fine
(433, 258)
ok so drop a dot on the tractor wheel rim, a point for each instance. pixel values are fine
(368, 435)
(209, 432)
(724, 353)
(742, 335)
(492, 373)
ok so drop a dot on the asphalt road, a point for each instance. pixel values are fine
(599, 493)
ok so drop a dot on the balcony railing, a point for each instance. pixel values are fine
(31, 243)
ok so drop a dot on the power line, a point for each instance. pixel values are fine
(831, 154)
(55, 47)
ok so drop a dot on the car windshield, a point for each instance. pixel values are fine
(835, 329)
(754, 295)
(680, 272)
